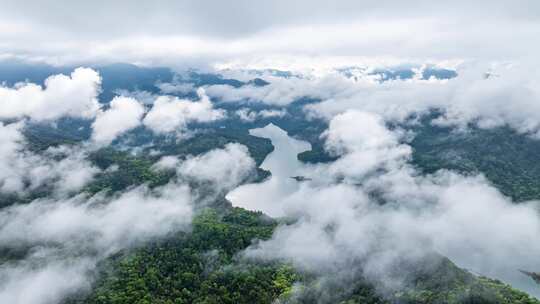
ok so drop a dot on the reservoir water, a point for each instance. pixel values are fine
(283, 164)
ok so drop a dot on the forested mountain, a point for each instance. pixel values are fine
(208, 262)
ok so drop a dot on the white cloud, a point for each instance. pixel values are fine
(170, 114)
(134, 215)
(225, 168)
(35, 283)
(69, 174)
(510, 96)
(124, 114)
(68, 237)
(197, 33)
(22, 170)
(166, 163)
(364, 144)
(175, 88)
(342, 225)
(280, 91)
(272, 113)
(339, 226)
(10, 179)
(62, 95)
(248, 115)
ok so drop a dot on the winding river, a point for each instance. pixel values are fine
(283, 163)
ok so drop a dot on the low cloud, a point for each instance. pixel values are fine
(223, 168)
(368, 221)
(176, 88)
(364, 145)
(63, 168)
(245, 114)
(74, 95)
(281, 91)
(171, 114)
(487, 95)
(63, 240)
(124, 114)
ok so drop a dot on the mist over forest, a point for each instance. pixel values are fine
(280, 152)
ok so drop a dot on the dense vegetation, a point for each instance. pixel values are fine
(205, 265)
(509, 160)
(196, 267)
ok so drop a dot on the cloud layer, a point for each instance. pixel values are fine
(65, 169)
(66, 239)
(62, 240)
(370, 211)
(204, 32)
(487, 95)
(74, 95)
(124, 114)
(171, 114)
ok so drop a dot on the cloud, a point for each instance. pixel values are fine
(63, 239)
(124, 114)
(364, 144)
(280, 91)
(71, 173)
(272, 113)
(11, 139)
(508, 98)
(171, 114)
(340, 229)
(200, 17)
(176, 88)
(197, 33)
(223, 168)
(368, 222)
(248, 115)
(64, 168)
(62, 95)
(166, 163)
(96, 222)
(487, 95)
(66, 239)
(34, 282)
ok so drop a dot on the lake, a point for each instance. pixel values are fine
(268, 195)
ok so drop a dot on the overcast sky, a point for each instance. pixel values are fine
(208, 32)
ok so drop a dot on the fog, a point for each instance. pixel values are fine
(339, 223)
(486, 94)
(59, 242)
(64, 168)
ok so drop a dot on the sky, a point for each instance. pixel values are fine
(188, 33)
